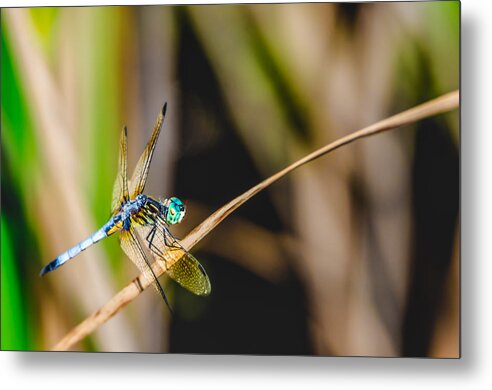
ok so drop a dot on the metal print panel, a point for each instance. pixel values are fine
(266, 179)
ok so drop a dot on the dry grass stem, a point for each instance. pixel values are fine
(433, 107)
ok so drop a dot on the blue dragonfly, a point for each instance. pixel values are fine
(143, 226)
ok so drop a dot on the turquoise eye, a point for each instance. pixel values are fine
(175, 211)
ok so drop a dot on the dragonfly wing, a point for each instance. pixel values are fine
(181, 265)
(190, 274)
(120, 188)
(130, 243)
(139, 177)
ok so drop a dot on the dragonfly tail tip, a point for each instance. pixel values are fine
(164, 108)
(47, 268)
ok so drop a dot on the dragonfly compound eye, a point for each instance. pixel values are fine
(175, 211)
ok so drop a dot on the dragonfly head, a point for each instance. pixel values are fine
(174, 210)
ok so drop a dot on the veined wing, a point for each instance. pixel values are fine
(181, 265)
(130, 243)
(190, 274)
(139, 177)
(120, 188)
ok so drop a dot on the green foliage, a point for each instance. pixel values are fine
(15, 335)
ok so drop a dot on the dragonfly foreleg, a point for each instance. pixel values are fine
(151, 233)
(169, 239)
(150, 240)
(153, 248)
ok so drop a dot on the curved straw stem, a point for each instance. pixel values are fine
(433, 107)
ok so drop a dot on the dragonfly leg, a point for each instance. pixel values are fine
(151, 233)
(169, 239)
(150, 239)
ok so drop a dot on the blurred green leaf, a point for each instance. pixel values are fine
(17, 134)
(14, 325)
(45, 20)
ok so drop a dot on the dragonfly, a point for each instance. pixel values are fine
(142, 223)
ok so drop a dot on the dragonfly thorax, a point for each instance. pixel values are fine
(144, 210)
(133, 206)
(140, 200)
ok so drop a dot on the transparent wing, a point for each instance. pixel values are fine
(139, 177)
(120, 187)
(181, 265)
(190, 274)
(130, 243)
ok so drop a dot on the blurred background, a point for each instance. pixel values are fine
(355, 254)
